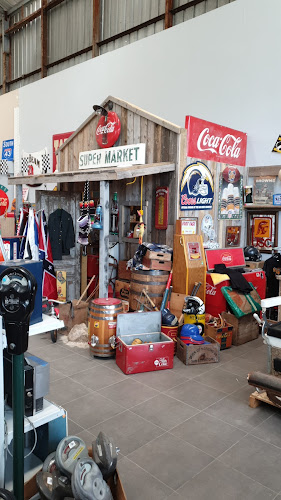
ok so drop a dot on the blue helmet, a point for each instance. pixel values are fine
(190, 334)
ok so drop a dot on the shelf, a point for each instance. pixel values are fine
(253, 206)
(130, 240)
(50, 412)
(48, 324)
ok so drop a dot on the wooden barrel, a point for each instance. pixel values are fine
(153, 282)
(102, 323)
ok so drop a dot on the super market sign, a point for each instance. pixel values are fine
(124, 156)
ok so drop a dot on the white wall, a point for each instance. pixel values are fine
(221, 66)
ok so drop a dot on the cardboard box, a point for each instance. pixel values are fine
(160, 265)
(122, 289)
(223, 334)
(245, 329)
(199, 354)
(123, 272)
(7, 226)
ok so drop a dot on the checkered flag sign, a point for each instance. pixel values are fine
(35, 163)
(3, 167)
(277, 145)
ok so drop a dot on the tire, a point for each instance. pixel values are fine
(6, 495)
(54, 336)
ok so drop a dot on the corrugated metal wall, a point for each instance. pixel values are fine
(70, 27)
(121, 15)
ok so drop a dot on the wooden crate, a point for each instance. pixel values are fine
(199, 354)
(165, 256)
(122, 289)
(245, 329)
(255, 265)
(158, 264)
(222, 334)
(117, 490)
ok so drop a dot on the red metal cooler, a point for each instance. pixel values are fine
(156, 352)
(233, 258)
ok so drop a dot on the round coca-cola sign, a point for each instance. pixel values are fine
(108, 130)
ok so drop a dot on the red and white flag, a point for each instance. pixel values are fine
(45, 254)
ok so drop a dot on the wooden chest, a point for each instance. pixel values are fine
(245, 329)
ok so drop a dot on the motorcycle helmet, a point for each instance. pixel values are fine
(193, 305)
(252, 253)
(190, 335)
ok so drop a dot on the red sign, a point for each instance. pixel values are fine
(58, 140)
(209, 141)
(161, 207)
(231, 257)
(4, 202)
(108, 130)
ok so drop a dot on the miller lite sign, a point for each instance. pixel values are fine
(209, 141)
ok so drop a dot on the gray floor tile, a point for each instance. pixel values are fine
(227, 355)
(65, 390)
(164, 411)
(128, 431)
(257, 356)
(241, 366)
(92, 409)
(50, 352)
(109, 363)
(71, 364)
(161, 380)
(195, 394)
(98, 377)
(55, 375)
(191, 371)
(128, 392)
(39, 340)
(270, 430)
(235, 410)
(87, 437)
(139, 484)
(207, 434)
(170, 460)
(256, 459)
(222, 381)
(73, 428)
(219, 482)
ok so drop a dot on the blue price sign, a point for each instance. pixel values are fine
(277, 199)
(8, 150)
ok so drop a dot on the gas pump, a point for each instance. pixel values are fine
(17, 296)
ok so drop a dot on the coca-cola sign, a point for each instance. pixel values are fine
(209, 141)
(108, 130)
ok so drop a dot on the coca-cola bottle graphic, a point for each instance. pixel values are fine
(114, 215)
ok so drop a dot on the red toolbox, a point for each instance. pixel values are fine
(156, 350)
(233, 258)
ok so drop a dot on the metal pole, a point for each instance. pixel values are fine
(104, 241)
(18, 426)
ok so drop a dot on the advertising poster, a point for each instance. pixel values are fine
(35, 163)
(61, 285)
(232, 236)
(196, 187)
(230, 194)
(264, 189)
(262, 232)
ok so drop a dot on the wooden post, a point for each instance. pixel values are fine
(6, 52)
(44, 39)
(168, 14)
(96, 27)
(18, 199)
(104, 240)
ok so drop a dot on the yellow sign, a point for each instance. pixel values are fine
(261, 228)
(61, 285)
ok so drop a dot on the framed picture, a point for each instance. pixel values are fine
(262, 229)
(188, 225)
(232, 236)
(263, 190)
(230, 194)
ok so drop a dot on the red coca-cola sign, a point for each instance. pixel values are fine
(234, 257)
(209, 141)
(108, 130)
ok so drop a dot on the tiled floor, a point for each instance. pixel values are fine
(186, 433)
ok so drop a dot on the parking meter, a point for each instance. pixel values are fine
(17, 296)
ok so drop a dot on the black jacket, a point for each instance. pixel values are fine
(61, 233)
